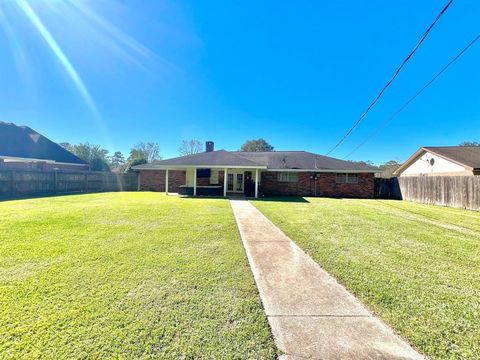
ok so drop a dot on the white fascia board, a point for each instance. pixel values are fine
(326, 171)
(48, 161)
(183, 167)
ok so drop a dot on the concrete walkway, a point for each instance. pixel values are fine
(310, 314)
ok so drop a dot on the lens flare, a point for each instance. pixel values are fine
(59, 54)
(79, 17)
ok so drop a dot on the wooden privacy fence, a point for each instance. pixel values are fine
(14, 183)
(452, 191)
(387, 188)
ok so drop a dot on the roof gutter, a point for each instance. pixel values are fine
(168, 167)
(326, 170)
(48, 161)
(181, 167)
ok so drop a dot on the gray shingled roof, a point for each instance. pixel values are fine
(301, 160)
(214, 158)
(466, 155)
(24, 142)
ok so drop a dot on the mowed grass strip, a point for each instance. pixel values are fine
(126, 275)
(416, 266)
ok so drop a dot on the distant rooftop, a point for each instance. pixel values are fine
(25, 143)
(466, 155)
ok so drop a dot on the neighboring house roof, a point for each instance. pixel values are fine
(466, 156)
(23, 142)
(272, 160)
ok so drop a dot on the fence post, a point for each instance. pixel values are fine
(12, 183)
(85, 184)
(55, 181)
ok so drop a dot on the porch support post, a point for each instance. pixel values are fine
(166, 182)
(225, 183)
(195, 182)
(256, 183)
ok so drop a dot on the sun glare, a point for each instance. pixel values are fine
(76, 13)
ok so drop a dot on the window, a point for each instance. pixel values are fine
(288, 177)
(230, 182)
(214, 177)
(345, 178)
(203, 173)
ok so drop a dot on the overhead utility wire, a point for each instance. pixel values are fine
(386, 122)
(424, 36)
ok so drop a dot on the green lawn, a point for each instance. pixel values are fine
(416, 266)
(126, 275)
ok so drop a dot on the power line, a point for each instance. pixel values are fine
(386, 122)
(424, 36)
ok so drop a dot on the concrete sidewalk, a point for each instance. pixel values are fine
(311, 315)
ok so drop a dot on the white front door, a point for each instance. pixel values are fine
(235, 181)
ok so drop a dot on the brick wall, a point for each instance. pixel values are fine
(154, 180)
(325, 186)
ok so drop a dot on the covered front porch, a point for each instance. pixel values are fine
(217, 181)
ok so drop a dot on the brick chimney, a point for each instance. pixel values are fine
(209, 146)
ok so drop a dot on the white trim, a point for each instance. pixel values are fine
(194, 182)
(183, 167)
(225, 182)
(163, 167)
(325, 171)
(256, 183)
(48, 161)
(422, 151)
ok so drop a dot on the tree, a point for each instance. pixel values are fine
(256, 146)
(94, 155)
(388, 169)
(134, 162)
(365, 162)
(148, 151)
(189, 147)
(470, 143)
(67, 146)
(117, 161)
(142, 153)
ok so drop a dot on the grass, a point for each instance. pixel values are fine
(416, 266)
(126, 275)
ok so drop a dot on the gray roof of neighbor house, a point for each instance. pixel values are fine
(467, 156)
(25, 143)
(274, 160)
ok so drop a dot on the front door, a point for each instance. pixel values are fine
(235, 182)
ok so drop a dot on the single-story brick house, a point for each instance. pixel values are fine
(218, 173)
(23, 148)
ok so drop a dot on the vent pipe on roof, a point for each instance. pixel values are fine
(209, 146)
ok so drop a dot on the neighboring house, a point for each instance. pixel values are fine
(24, 148)
(442, 160)
(258, 174)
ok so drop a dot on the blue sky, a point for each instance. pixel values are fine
(295, 73)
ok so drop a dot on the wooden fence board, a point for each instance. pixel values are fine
(14, 183)
(453, 191)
